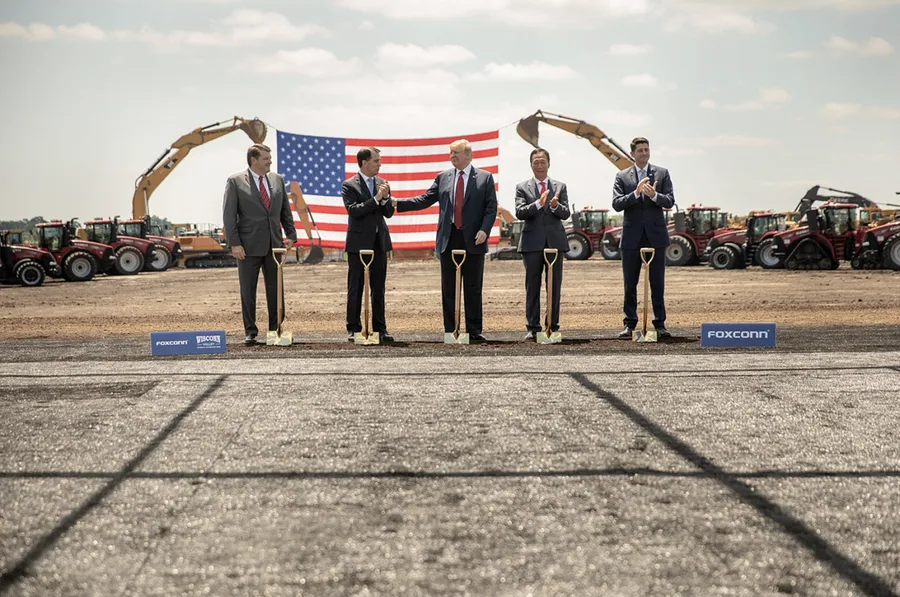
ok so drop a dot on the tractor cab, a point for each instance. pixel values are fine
(760, 224)
(135, 228)
(593, 221)
(55, 235)
(838, 219)
(698, 220)
(102, 231)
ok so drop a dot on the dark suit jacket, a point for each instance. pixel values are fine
(246, 221)
(643, 214)
(479, 207)
(366, 228)
(543, 226)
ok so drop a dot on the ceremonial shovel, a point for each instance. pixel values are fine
(643, 335)
(546, 336)
(364, 337)
(279, 337)
(455, 337)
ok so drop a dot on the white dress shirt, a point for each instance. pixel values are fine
(265, 178)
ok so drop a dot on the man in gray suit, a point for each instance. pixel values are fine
(543, 229)
(468, 208)
(255, 209)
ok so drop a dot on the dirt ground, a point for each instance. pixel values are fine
(315, 294)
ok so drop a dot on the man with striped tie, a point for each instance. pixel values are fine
(255, 209)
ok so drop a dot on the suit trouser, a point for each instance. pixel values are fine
(473, 277)
(535, 269)
(631, 269)
(248, 275)
(356, 285)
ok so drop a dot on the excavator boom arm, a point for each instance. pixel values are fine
(612, 151)
(150, 180)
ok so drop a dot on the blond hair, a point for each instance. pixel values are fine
(462, 144)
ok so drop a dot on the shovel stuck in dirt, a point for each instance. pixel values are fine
(545, 336)
(279, 337)
(364, 337)
(455, 337)
(643, 335)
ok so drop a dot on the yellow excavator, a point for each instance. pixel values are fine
(202, 250)
(612, 151)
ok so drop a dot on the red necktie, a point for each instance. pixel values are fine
(458, 201)
(264, 192)
(543, 188)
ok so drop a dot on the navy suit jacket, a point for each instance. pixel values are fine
(479, 207)
(366, 228)
(543, 226)
(641, 213)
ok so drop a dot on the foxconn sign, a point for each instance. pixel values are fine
(173, 343)
(737, 334)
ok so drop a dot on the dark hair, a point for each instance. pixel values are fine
(365, 154)
(534, 152)
(255, 150)
(637, 141)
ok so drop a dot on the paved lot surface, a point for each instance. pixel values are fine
(500, 469)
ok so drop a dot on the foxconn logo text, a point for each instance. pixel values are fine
(171, 342)
(742, 334)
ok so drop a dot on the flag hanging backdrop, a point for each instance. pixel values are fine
(321, 164)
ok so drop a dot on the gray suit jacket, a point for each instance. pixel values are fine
(247, 223)
(641, 213)
(543, 227)
(479, 207)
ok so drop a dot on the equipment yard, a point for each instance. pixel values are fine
(592, 467)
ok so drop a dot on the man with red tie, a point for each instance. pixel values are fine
(255, 209)
(468, 208)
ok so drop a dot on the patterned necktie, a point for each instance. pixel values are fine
(640, 177)
(372, 187)
(458, 201)
(264, 193)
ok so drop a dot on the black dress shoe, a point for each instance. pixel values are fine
(625, 334)
(385, 336)
(529, 336)
(350, 336)
(250, 339)
(662, 333)
(476, 339)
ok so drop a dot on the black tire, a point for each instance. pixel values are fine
(579, 248)
(30, 273)
(723, 257)
(129, 261)
(79, 266)
(610, 254)
(891, 253)
(765, 255)
(162, 259)
(680, 251)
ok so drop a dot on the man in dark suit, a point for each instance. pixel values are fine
(543, 229)
(468, 208)
(255, 210)
(642, 192)
(368, 201)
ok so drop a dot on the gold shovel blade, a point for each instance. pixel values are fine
(639, 336)
(545, 338)
(285, 339)
(271, 338)
(372, 338)
(451, 338)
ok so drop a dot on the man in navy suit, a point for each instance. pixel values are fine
(542, 203)
(642, 192)
(468, 208)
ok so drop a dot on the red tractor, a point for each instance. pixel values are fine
(131, 253)
(694, 228)
(79, 260)
(586, 234)
(880, 248)
(24, 265)
(831, 235)
(168, 250)
(733, 249)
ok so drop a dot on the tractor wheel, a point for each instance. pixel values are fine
(765, 255)
(30, 273)
(680, 251)
(610, 254)
(723, 257)
(79, 266)
(161, 260)
(129, 261)
(579, 248)
(892, 253)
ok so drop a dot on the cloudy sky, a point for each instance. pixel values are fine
(747, 102)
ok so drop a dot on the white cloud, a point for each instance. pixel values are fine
(44, 32)
(526, 72)
(875, 46)
(766, 97)
(714, 18)
(667, 151)
(800, 55)
(840, 110)
(629, 49)
(431, 87)
(708, 104)
(393, 56)
(645, 80)
(366, 26)
(732, 141)
(879, 112)
(604, 118)
(315, 63)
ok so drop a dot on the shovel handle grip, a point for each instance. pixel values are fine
(647, 251)
(366, 253)
(456, 253)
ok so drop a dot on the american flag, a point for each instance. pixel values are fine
(321, 164)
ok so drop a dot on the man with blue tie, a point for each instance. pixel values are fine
(643, 191)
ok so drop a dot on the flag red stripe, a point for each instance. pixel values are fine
(337, 209)
(394, 228)
(434, 157)
(415, 193)
(425, 141)
(398, 246)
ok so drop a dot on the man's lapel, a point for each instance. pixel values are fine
(254, 190)
(470, 187)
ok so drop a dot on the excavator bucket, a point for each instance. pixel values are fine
(255, 129)
(316, 254)
(528, 129)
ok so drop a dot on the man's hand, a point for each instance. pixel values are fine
(288, 243)
(394, 201)
(238, 252)
(652, 190)
(642, 186)
(481, 237)
(384, 190)
(554, 202)
(543, 198)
